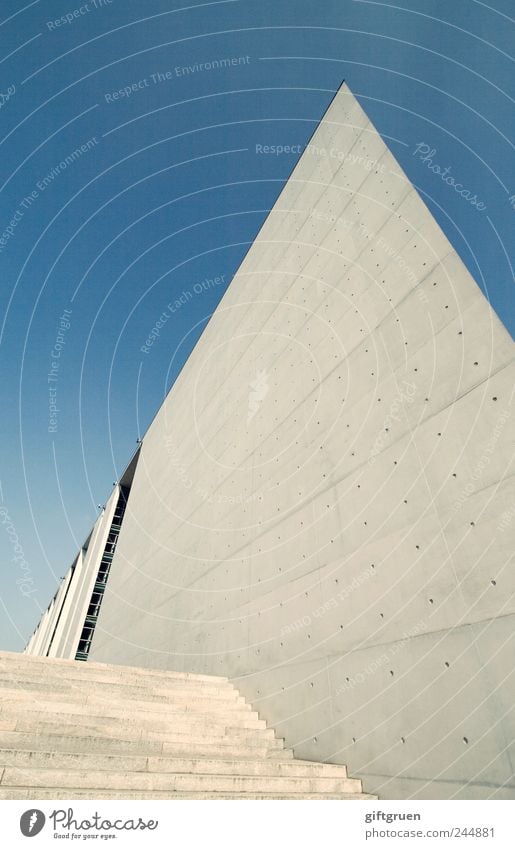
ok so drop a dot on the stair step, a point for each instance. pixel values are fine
(134, 745)
(182, 783)
(28, 792)
(70, 714)
(120, 689)
(108, 731)
(10, 697)
(13, 660)
(157, 764)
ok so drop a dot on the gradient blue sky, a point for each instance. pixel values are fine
(171, 191)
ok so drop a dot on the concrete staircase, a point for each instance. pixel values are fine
(72, 730)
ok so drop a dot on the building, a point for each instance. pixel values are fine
(323, 507)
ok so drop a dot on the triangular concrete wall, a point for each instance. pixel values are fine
(318, 508)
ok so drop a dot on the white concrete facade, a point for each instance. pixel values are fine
(323, 508)
(78, 604)
(59, 630)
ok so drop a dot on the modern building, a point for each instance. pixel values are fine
(323, 509)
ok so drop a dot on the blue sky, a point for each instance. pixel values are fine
(166, 190)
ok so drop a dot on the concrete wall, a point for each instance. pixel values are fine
(318, 507)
